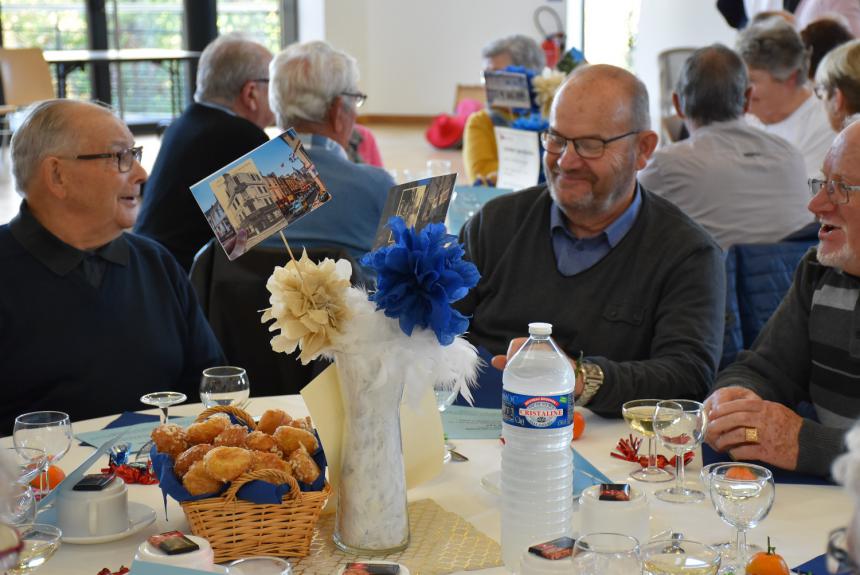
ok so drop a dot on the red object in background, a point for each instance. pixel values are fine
(552, 51)
(122, 571)
(628, 450)
(134, 473)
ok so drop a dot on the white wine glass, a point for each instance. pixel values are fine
(639, 415)
(445, 396)
(224, 385)
(742, 494)
(678, 556)
(680, 426)
(40, 543)
(26, 462)
(606, 554)
(48, 431)
(163, 400)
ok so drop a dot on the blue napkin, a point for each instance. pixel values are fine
(585, 474)
(779, 475)
(817, 566)
(131, 418)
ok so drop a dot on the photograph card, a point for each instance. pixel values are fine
(419, 203)
(260, 193)
(507, 89)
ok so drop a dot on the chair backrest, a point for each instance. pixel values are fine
(670, 63)
(231, 295)
(25, 75)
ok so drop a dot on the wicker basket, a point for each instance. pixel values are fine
(236, 528)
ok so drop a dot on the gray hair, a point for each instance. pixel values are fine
(840, 68)
(47, 130)
(775, 47)
(306, 78)
(712, 85)
(523, 51)
(226, 65)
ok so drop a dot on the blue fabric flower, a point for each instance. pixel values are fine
(533, 122)
(419, 276)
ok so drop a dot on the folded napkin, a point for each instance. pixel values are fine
(816, 566)
(138, 425)
(779, 475)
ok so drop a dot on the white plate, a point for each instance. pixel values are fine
(140, 516)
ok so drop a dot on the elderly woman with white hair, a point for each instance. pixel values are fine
(314, 89)
(837, 83)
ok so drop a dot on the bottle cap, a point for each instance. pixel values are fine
(540, 328)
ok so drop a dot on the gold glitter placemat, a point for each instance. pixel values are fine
(440, 542)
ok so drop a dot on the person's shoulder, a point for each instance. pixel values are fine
(9, 247)
(674, 226)
(202, 122)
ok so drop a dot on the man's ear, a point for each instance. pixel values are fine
(249, 95)
(646, 143)
(53, 175)
(676, 101)
(335, 115)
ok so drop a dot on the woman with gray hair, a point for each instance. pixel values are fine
(837, 83)
(781, 100)
(480, 155)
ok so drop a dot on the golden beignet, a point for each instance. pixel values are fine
(170, 438)
(198, 482)
(305, 469)
(302, 423)
(289, 439)
(272, 419)
(189, 457)
(268, 460)
(259, 441)
(206, 431)
(233, 436)
(227, 463)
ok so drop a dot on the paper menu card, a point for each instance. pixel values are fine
(420, 430)
(519, 158)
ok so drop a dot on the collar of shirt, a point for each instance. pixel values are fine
(326, 143)
(575, 255)
(224, 109)
(58, 256)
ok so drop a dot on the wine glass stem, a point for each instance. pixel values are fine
(164, 414)
(742, 547)
(652, 454)
(679, 471)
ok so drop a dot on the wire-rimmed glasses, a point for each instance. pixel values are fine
(839, 560)
(590, 148)
(837, 191)
(360, 97)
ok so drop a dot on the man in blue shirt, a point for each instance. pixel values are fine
(91, 318)
(624, 277)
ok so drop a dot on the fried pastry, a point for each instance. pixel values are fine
(206, 431)
(272, 419)
(289, 439)
(189, 457)
(267, 460)
(227, 463)
(302, 423)
(170, 438)
(259, 441)
(233, 435)
(305, 469)
(198, 482)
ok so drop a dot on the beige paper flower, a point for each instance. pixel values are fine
(545, 87)
(308, 305)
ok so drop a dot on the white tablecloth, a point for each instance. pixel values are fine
(798, 523)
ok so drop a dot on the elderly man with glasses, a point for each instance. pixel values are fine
(91, 318)
(809, 351)
(624, 276)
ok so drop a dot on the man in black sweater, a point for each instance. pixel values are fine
(91, 318)
(225, 122)
(624, 277)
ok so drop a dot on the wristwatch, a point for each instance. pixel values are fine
(592, 377)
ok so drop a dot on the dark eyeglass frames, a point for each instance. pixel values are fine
(588, 148)
(360, 97)
(124, 158)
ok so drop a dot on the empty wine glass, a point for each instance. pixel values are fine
(680, 426)
(445, 396)
(48, 431)
(40, 543)
(224, 385)
(639, 415)
(19, 505)
(606, 554)
(742, 494)
(677, 556)
(26, 462)
(163, 400)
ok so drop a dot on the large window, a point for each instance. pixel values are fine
(260, 20)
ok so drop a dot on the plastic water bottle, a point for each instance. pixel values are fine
(537, 465)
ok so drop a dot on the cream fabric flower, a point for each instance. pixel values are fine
(308, 305)
(545, 87)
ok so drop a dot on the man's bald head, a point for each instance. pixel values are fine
(623, 95)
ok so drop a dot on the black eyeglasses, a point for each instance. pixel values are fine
(837, 192)
(588, 148)
(124, 158)
(360, 98)
(838, 559)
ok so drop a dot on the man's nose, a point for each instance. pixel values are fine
(820, 202)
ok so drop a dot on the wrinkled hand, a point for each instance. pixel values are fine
(500, 361)
(733, 409)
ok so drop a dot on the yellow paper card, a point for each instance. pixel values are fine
(420, 430)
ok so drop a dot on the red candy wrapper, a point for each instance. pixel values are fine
(122, 571)
(134, 473)
(628, 450)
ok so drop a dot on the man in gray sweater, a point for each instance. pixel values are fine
(624, 276)
(810, 348)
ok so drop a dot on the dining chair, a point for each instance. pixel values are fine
(25, 78)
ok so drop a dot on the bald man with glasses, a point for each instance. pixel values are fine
(91, 317)
(626, 279)
(809, 350)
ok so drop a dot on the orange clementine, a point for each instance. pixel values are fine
(767, 563)
(50, 479)
(578, 424)
(740, 473)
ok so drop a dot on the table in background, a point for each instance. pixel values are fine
(67, 61)
(798, 524)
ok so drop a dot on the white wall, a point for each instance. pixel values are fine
(413, 53)
(668, 24)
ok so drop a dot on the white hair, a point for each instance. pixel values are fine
(227, 64)
(305, 78)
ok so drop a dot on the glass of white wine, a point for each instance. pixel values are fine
(680, 425)
(639, 415)
(40, 543)
(679, 556)
(742, 494)
(224, 385)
